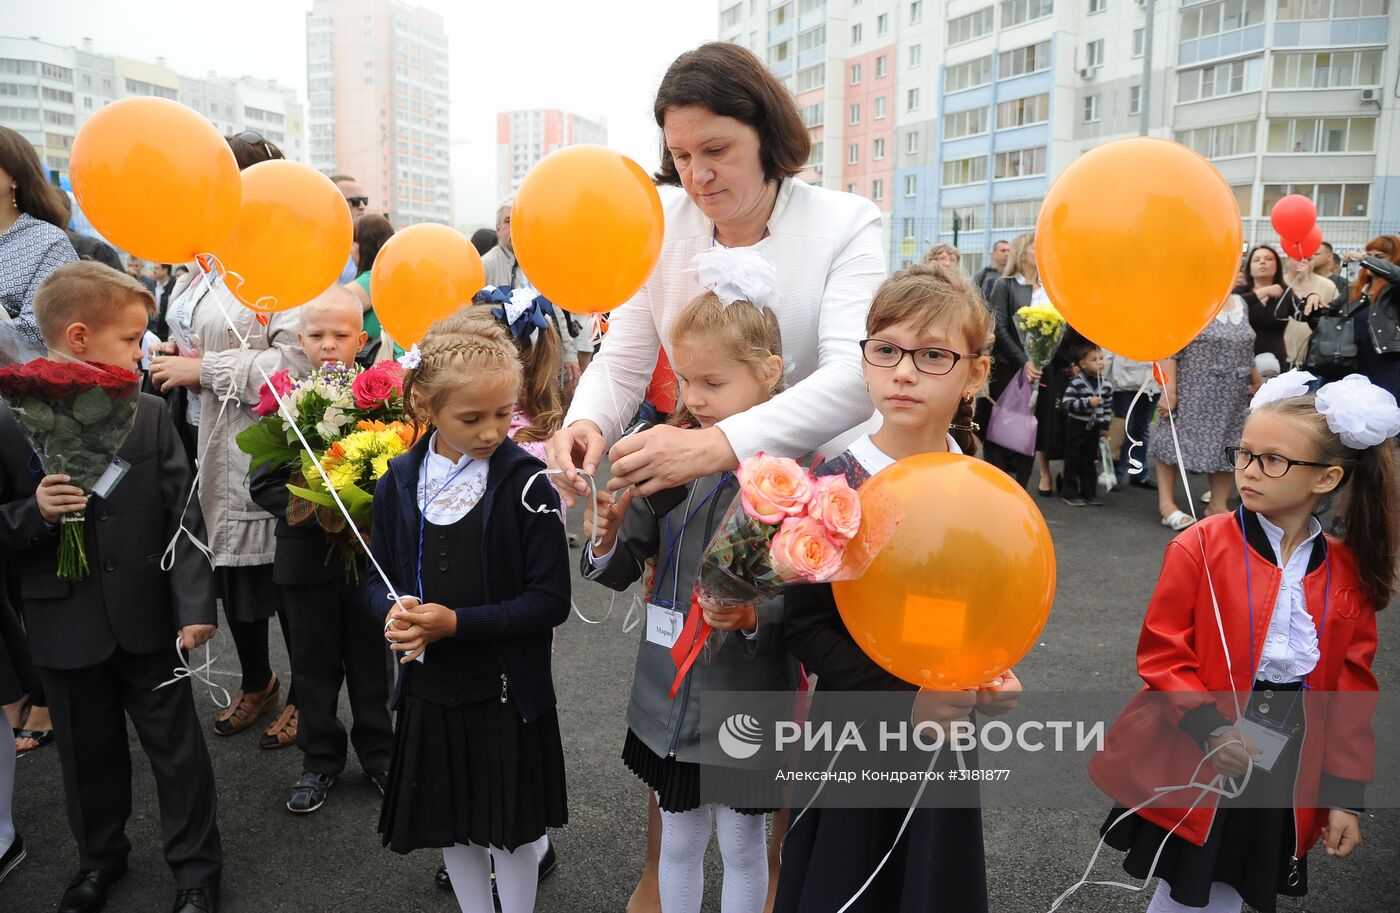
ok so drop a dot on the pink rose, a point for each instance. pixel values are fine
(837, 505)
(773, 488)
(376, 386)
(802, 550)
(267, 403)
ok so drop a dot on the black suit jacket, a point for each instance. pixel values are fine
(1008, 354)
(127, 600)
(300, 558)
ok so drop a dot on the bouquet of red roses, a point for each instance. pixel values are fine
(76, 416)
(786, 526)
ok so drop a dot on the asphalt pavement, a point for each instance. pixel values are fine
(332, 860)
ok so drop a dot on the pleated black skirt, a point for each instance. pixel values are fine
(677, 783)
(473, 773)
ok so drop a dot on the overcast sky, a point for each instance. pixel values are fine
(597, 59)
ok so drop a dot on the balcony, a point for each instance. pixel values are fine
(1328, 32)
(1225, 44)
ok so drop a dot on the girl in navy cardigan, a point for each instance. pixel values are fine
(478, 766)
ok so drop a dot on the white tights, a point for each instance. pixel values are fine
(742, 845)
(7, 792)
(1223, 899)
(517, 876)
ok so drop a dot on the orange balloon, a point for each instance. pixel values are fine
(962, 589)
(291, 240)
(1138, 244)
(587, 227)
(421, 274)
(155, 179)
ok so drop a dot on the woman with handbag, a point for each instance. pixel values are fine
(1362, 335)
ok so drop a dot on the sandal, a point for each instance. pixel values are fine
(246, 708)
(40, 738)
(283, 731)
(1178, 520)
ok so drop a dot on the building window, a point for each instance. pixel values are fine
(880, 108)
(730, 17)
(1222, 140)
(1016, 12)
(1244, 197)
(778, 53)
(911, 186)
(916, 55)
(812, 38)
(811, 78)
(1022, 112)
(877, 189)
(855, 74)
(853, 154)
(882, 24)
(916, 12)
(813, 115)
(1134, 100)
(1030, 59)
(855, 113)
(1224, 79)
(1327, 70)
(855, 34)
(964, 123)
(1093, 53)
(1014, 214)
(1021, 163)
(908, 233)
(965, 171)
(1323, 134)
(970, 75)
(913, 99)
(1138, 37)
(964, 218)
(780, 16)
(1097, 6)
(911, 142)
(973, 25)
(814, 158)
(1332, 9)
(877, 150)
(881, 65)
(1091, 109)
(1334, 201)
(851, 188)
(54, 71)
(1207, 19)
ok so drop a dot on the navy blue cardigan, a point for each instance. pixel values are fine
(524, 563)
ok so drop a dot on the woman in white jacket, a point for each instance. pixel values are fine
(205, 355)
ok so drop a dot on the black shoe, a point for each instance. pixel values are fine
(87, 892)
(1045, 493)
(196, 900)
(548, 862)
(1095, 501)
(1143, 481)
(309, 793)
(380, 779)
(1073, 502)
(13, 857)
(442, 879)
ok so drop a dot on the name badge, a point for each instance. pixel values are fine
(664, 625)
(109, 479)
(1270, 741)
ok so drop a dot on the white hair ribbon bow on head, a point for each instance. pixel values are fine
(519, 303)
(1286, 386)
(738, 274)
(1360, 413)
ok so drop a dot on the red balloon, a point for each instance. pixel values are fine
(1293, 217)
(1310, 243)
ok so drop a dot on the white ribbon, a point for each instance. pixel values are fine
(200, 673)
(558, 512)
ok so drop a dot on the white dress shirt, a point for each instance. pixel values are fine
(827, 249)
(1290, 647)
(449, 489)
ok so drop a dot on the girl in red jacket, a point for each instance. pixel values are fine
(1253, 611)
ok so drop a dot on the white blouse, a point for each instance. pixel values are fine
(827, 249)
(874, 459)
(1290, 647)
(449, 489)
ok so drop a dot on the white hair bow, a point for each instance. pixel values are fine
(1285, 386)
(738, 274)
(1360, 413)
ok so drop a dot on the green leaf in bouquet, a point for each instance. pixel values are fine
(358, 502)
(92, 406)
(66, 425)
(265, 444)
(33, 414)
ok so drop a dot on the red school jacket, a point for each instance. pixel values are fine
(1157, 741)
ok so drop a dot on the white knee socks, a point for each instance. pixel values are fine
(1223, 899)
(517, 877)
(684, 837)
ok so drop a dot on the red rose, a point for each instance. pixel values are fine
(374, 387)
(267, 403)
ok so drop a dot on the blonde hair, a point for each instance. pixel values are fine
(926, 295)
(1372, 523)
(939, 250)
(1018, 251)
(335, 298)
(741, 332)
(85, 292)
(541, 393)
(458, 350)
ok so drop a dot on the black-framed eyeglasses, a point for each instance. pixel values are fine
(357, 201)
(1273, 465)
(253, 138)
(933, 360)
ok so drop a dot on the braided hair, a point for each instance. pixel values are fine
(464, 348)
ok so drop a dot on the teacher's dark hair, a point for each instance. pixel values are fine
(730, 81)
(34, 195)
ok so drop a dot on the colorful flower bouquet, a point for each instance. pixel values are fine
(785, 527)
(1041, 327)
(76, 416)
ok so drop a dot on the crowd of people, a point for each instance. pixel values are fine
(770, 325)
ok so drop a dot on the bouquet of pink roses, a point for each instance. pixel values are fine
(786, 526)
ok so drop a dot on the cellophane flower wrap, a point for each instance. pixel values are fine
(76, 415)
(1041, 327)
(785, 526)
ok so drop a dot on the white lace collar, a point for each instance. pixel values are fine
(873, 459)
(450, 489)
(1233, 311)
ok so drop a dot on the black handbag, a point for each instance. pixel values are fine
(1332, 348)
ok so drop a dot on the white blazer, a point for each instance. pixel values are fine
(828, 250)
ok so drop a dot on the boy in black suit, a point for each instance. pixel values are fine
(104, 643)
(335, 637)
